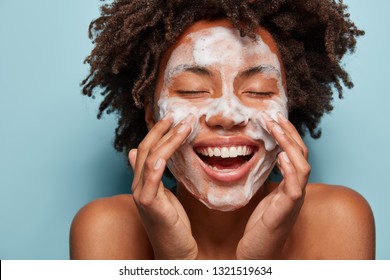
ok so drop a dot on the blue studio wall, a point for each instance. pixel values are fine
(55, 156)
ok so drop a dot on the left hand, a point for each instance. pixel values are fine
(271, 222)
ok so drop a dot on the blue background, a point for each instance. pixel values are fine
(55, 156)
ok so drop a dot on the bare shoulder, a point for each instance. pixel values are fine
(335, 222)
(109, 228)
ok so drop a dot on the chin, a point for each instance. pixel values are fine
(227, 200)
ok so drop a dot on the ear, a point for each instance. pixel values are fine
(149, 116)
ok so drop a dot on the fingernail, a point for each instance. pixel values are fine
(158, 164)
(189, 118)
(278, 129)
(267, 117)
(285, 157)
(281, 117)
(183, 126)
(168, 116)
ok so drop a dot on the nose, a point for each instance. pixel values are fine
(225, 122)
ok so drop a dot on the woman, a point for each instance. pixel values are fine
(220, 92)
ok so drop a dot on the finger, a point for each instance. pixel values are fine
(293, 153)
(163, 149)
(293, 132)
(292, 187)
(150, 176)
(152, 183)
(272, 126)
(168, 148)
(154, 135)
(291, 147)
(187, 120)
(132, 159)
(156, 161)
(268, 122)
(288, 129)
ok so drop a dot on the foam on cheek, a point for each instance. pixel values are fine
(256, 128)
(232, 109)
(180, 109)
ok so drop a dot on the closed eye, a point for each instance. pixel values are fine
(191, 91)
(260, 93)
(193, 94)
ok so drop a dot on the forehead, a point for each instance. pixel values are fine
(208, 43)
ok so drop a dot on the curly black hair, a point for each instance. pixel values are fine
(131, 36)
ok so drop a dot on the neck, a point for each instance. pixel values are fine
(216, 232)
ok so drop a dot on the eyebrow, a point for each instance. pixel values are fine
(196, 69)
(190, 68)
(259, 69)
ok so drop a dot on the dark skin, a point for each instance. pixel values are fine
(287, 220)
(323, 230)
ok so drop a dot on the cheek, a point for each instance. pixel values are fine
(256, 128)
(272, 107)
(180, 109)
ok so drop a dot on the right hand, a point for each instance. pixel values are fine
(162, 215)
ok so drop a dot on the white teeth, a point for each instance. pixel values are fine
(226, 152)
(233, 152)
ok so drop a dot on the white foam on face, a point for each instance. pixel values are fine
(225, 51)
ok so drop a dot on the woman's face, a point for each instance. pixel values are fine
(226, 81)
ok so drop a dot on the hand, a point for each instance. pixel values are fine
(162, 215)
(272, 220)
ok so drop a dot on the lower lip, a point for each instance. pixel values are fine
(228, 175)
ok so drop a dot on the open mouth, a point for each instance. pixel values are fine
(227, 158)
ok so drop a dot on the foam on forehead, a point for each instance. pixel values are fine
(220, 45)
(223, 40)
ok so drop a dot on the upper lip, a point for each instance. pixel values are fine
(225, 142)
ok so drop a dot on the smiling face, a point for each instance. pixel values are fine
(225, 81)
